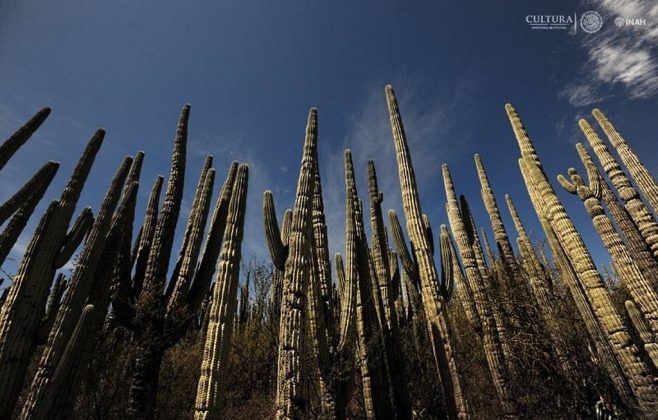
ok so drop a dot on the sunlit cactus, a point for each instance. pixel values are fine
(642, 177)
(635, 369)
(433, 304)
(220, 327)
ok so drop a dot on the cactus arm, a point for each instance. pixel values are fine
(18, 222)
(285, 226)
(82, 281)
(27, 300)
(23, 134)
(212, 247)
(189, 227)
(447, 265)
(278, 251)
(195, 238)
(42, 177)
(408, 263)
(163, 238)
(146, 238)
(73, 239)
(568, 186)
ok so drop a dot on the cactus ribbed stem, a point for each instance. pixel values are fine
(639, 212)
(75, 236)
(163, 238)
(146, 237)
(570, 279)
(627, 270)
(23, 134)
(81, 283)
(643, 178)
(379, 245)
(290, 400)
(433, 306)
(212, 247)
(220, 327)
(636, 244)
(500, 234)
(278, 251)
(492, 346)
(589, 279)
(25, 304)
(188, 261)
(43, 176)
(20, 218)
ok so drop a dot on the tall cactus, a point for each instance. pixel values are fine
(639, 212)
(372, 360)
(25, 304)
(569, 277)
(432, 302)
(629, 274)
(643, 178)
(53, 389)
(290, 400)
(492, 346)
(632, 236)
(79, 287)
(636, 371)
(220, 327)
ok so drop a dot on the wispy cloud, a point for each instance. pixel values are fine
(625, 56)
(428, 128)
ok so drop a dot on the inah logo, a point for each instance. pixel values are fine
(591, 22)
(621, 22)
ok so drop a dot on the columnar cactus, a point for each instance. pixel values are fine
(55, 384)
(492, 345)
(79, 287)
(379, 243)
(25, 304)
(432, 302)
(643, 178)
(220, 327)
(643, 331)
(636, 371)
(290, 400)
(500, 234)
(23, 134)
(633, 238)
(373, 363)
(25, 205)
(628, 272)
(639, 212)
(569, 277)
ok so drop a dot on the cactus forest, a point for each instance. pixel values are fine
(410, 321)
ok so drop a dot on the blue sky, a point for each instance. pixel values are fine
(251, 70)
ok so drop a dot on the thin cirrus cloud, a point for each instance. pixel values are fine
(369, 137)
(625, 56)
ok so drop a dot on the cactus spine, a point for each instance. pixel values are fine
(220, 327)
